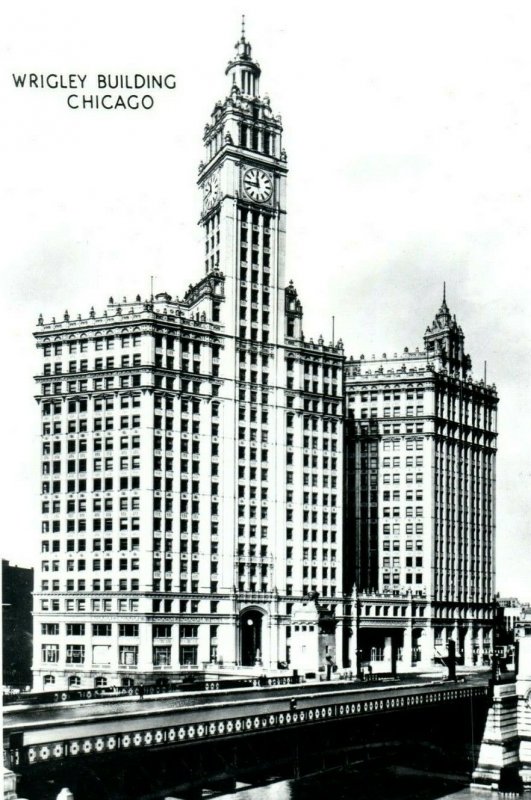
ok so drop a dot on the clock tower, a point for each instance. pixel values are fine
(277, 539)
(243, 184)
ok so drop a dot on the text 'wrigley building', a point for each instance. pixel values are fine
(206, 468)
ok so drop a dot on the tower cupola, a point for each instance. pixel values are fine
(245, 72)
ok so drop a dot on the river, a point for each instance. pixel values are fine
(388, 783)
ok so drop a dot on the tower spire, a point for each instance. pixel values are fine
(444, 311)
(244, 71)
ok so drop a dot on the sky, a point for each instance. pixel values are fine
(408, 132)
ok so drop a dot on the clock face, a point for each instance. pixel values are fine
(211, 191)
(258, 185)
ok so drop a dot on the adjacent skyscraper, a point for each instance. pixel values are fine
(420, 520)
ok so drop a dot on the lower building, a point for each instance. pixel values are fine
(17, 602)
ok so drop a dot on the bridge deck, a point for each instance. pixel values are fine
(166, 721)
(20, 717)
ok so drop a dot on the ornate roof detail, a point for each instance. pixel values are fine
(444, 341)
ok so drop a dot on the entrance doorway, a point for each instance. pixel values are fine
(251, 637)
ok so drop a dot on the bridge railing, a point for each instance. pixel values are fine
(196, 685)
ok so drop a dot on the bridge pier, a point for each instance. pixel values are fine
(10, 784)
(499, 747)
(505, 755)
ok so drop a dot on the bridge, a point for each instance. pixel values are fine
(194, 741)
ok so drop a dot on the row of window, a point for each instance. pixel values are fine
(397, 411)
(314, 387)
(98, 403)
(409, 394)
(314, 479)
(386, 462)
(80, 525)
(80, 585)
(306, 535)
(409, 561)
(82, 604)
(81, 345)
(394, 444)
(314, 423)
(127, 655)
(98, 504)
(80, 545)
(396, 511)
(397, 545)
(103, 423)
(97, 564)
(397, 578)
(98, 444)
(98, 485)
(396, 527)
(396, 494)
(385, 611)
(313, 498)
(124, 630)
(98, 464)
(408, 427)
(325, 590)
(312, 462)
(315, 368)
(97, 384)
(99, 364)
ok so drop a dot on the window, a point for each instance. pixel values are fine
(101, 629)
(188, 655)
(75, 629)
(50, 628)
(189, 631)
(128, 630)
(162, 655)
(162, 631)
(50, 653)
(75, 654)
(128, 655)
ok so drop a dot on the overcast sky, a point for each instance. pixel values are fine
(408, 132)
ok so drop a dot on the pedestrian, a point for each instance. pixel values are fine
(141, 691)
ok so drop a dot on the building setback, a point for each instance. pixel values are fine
(193, 472)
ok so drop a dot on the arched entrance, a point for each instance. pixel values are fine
(251, 637)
